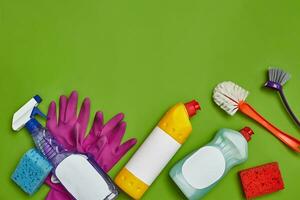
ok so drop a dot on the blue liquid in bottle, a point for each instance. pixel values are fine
(78, 173)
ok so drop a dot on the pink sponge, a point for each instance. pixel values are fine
(261, 180)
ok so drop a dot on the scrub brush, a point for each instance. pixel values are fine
(277, 78)
(231, 98)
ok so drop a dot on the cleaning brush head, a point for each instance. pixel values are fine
(228, 95)
(277, 78)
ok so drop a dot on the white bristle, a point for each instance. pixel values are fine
(227, 95)
(278, 76)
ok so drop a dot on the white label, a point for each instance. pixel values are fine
(81, 179)
(154, 154)
(204, 167)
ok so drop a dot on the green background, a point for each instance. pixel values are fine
(141, 57)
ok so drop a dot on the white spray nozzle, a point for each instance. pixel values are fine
(25, 113)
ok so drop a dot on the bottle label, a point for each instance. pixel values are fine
(153, 155)
(81, 179)
(204, 167)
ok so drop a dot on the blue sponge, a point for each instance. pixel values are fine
(31, 171)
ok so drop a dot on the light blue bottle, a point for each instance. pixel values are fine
(201, 170)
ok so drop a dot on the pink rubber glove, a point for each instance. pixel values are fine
(63, 128)
(103, 141)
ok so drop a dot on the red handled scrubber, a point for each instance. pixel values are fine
(261, 180)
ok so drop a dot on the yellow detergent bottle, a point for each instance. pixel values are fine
(157, 150)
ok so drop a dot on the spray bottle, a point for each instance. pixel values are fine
(156, 151)
(200, 171)
(78, 173)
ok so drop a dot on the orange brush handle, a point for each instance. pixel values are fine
(290, 141)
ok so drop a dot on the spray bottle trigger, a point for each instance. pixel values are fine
(37, 111)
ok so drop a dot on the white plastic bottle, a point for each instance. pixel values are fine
(156, 151)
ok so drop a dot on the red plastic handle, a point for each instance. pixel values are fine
(290, 141)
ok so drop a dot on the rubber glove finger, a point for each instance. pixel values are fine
(97, 148)
(118, 133)
(111, 124)
(72, 106)
(57, 195)
(95, 130)
(78, 140)
(62, 109)
(97, 124)
(125, 147)
(83, 118)
(52, 120)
